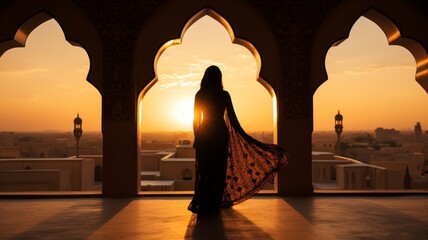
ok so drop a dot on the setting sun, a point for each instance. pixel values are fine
(183, 112)
(168, 105)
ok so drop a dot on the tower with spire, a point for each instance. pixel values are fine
(77, 132)
(338, 127)
(418, 131)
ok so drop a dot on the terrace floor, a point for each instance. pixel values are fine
(263, 217)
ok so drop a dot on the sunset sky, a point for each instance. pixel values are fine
(43, 86)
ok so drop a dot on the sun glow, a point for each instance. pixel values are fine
(168, 104)
(183, 112)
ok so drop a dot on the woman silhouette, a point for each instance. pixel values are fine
(231, 166)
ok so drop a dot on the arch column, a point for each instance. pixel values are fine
(249, 29)
(295, 135)
(121, 175)
(120, 166)
(296, 178)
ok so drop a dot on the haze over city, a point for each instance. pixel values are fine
(43, 85)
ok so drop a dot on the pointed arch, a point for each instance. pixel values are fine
(394, 37)
(228, 27)
(17, 22)
(235, 40)
(21, 34)
(249, 30)
(399, 21)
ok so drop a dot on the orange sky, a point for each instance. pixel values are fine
(180, 70)
(371, 83)
(43, 86)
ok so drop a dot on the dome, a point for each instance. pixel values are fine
(338, 116)
(77, 120)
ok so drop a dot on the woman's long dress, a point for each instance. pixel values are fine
(231, 166)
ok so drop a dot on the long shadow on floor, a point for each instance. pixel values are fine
(77, 221)
(363, 217)
(228, 224)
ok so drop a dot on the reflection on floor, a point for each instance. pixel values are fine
(322, 217)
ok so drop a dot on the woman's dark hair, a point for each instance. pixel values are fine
(212, 80)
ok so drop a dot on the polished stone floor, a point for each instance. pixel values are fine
(300, 218)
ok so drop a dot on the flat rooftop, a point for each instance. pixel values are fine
(178, 159)
(145, 183)
(262, 217)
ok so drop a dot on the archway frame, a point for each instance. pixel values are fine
(20, 17)
(399, 29)
(400, 22)
(262, 45)
(234, 40)
(18, 22)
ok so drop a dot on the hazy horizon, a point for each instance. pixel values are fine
(190, 131)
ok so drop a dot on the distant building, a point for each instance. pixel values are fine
(47, 174)
(324, 141)
(362, 154)
(150, 159)
(385, 134)
(330, 171)
(399, 161)
(418, 131)
(10, 152)
(171, 170)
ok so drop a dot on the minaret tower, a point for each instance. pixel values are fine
(338, 127)
(418, 131)
(77, 132)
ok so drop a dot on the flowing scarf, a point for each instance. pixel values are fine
(250, 165)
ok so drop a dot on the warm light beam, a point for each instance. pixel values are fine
(182, 112)
(168, 104)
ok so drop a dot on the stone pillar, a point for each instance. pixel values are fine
(120, 175)
(295, 135)
(296, 178)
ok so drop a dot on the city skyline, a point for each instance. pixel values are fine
(364, 63)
